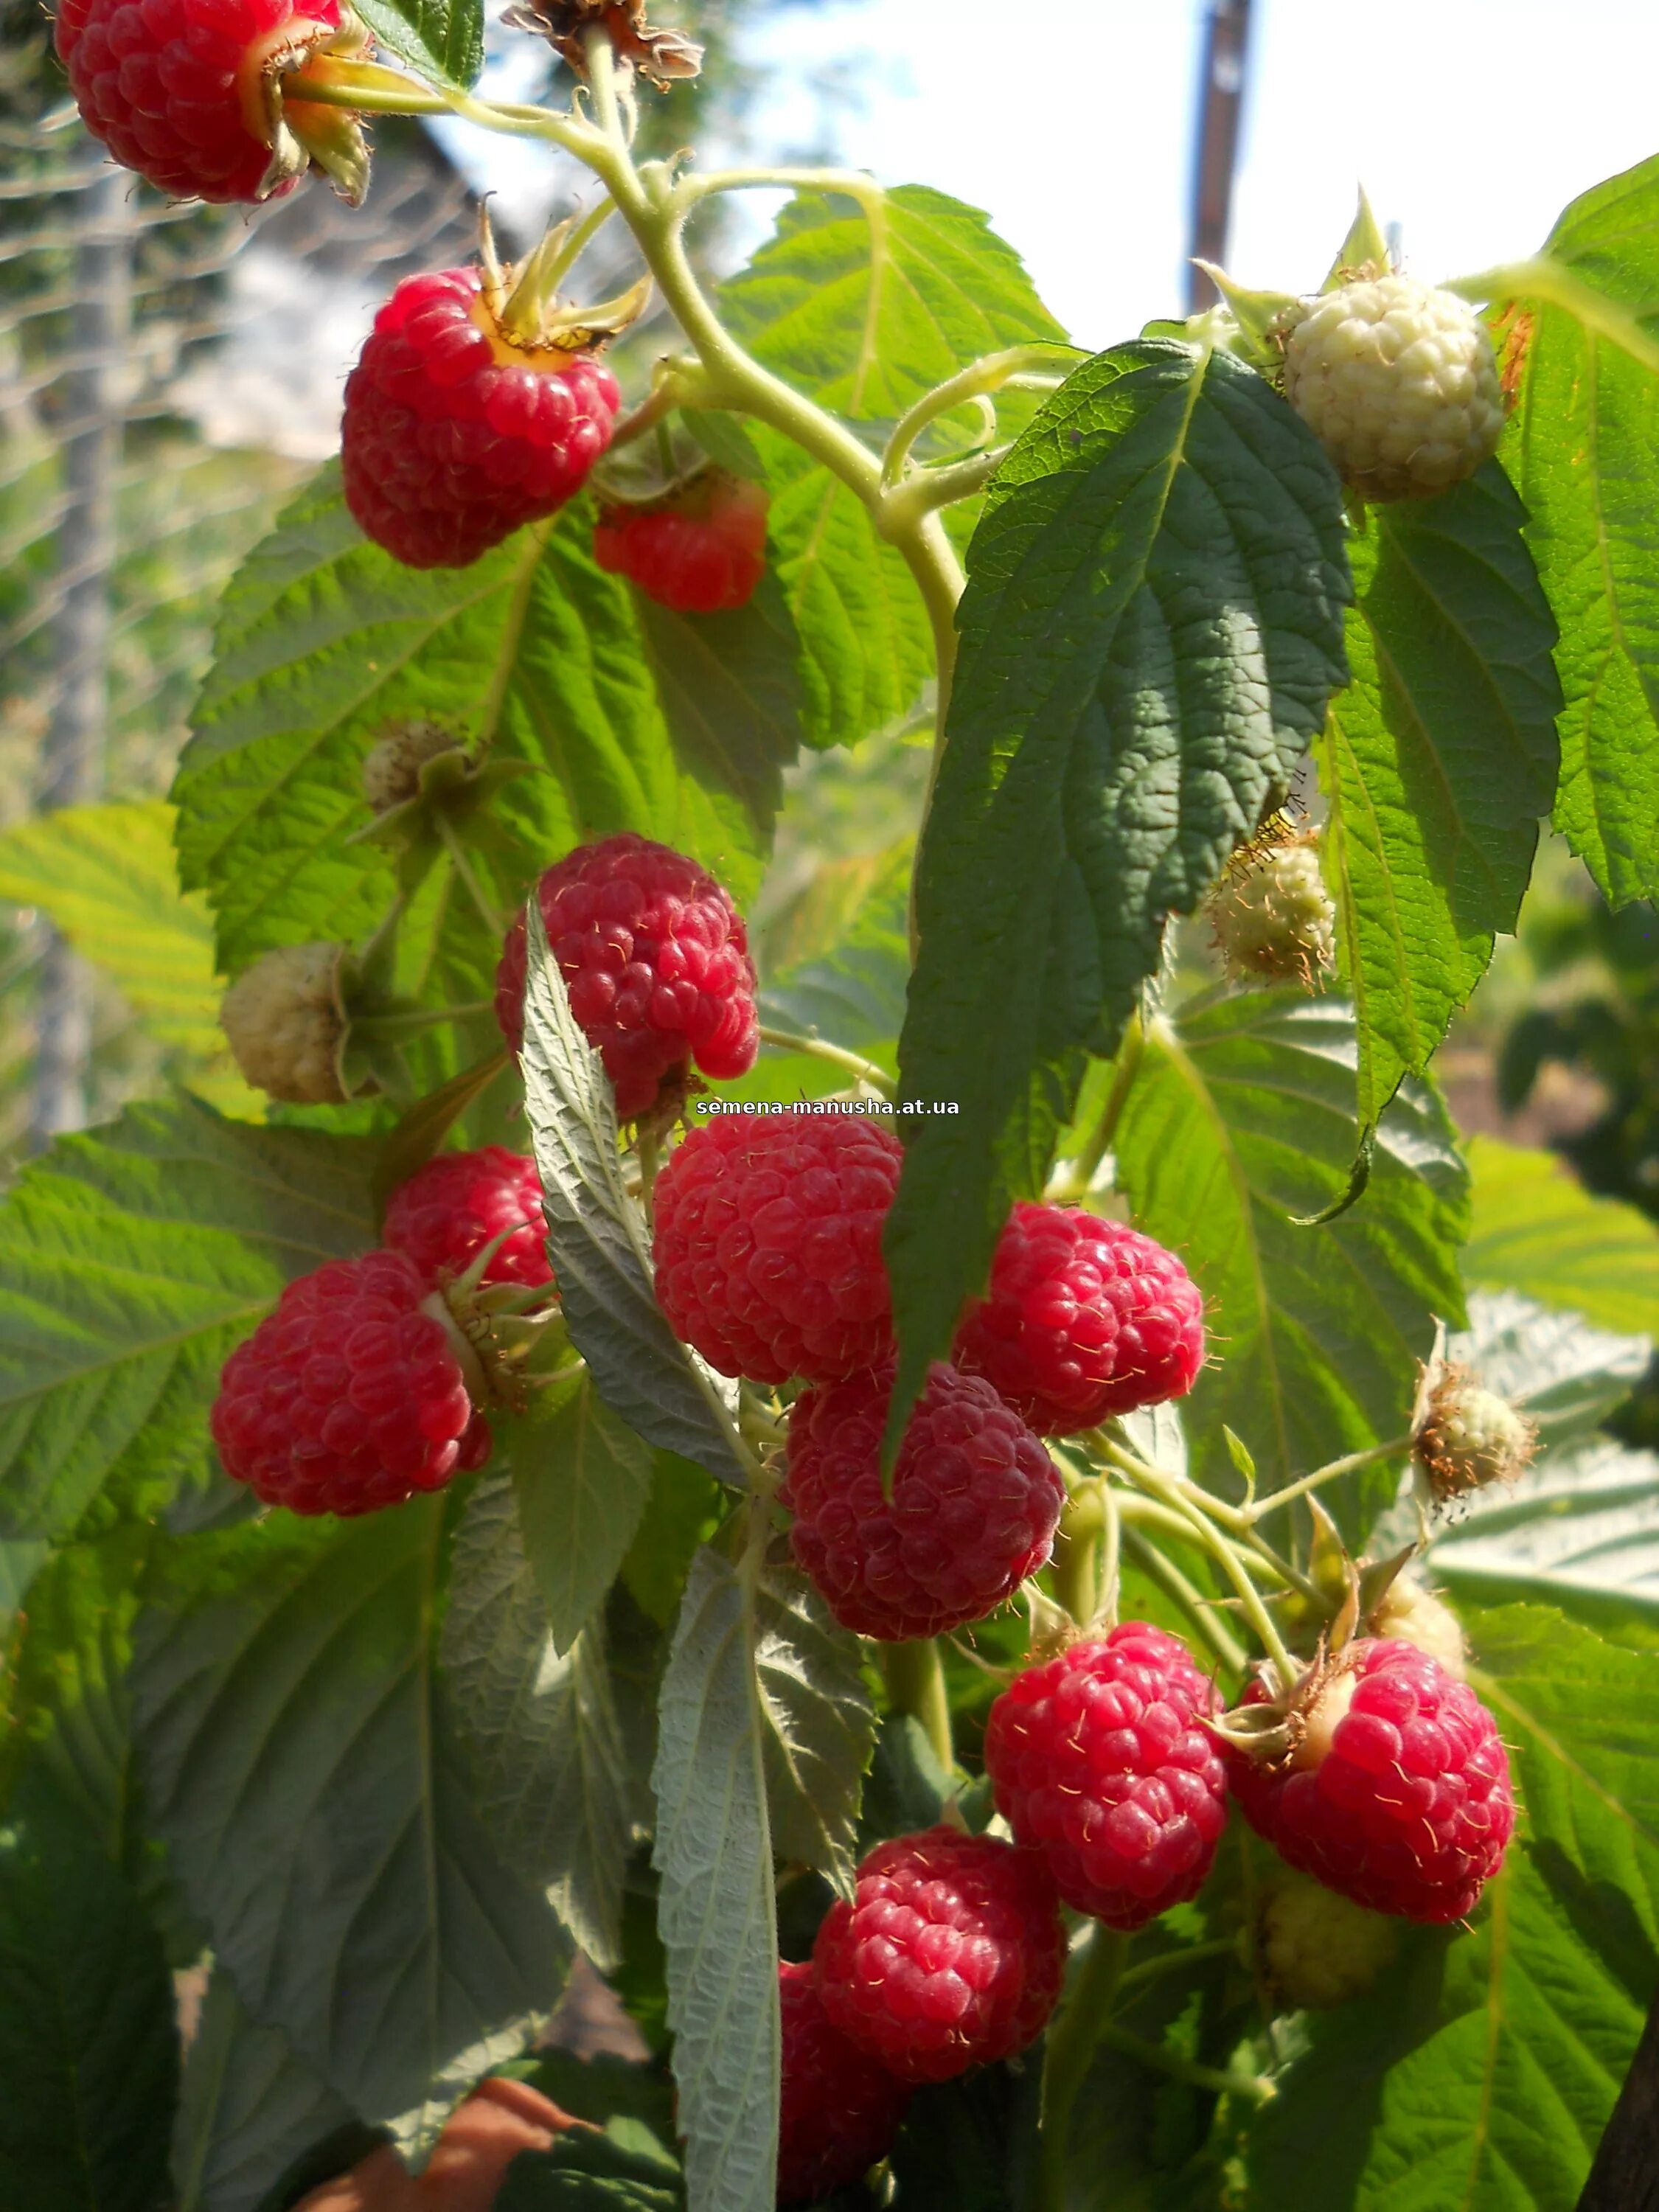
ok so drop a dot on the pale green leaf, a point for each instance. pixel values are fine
(1533, 1227)
(582, 1478)
(441, 39)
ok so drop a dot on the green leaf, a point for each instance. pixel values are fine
(1584, 447)
(1238, 1127)
(441, 39)
(820, 1724)
(617, 2171)
(716, 1910)
(686, 1507)
(730, 692)
(1533, 1227)
(1567, 1376)
(1482, 2073)
(299, 1766)
(540, 1725)
(249, 2107)
(582, 1479)
(88, 2051)
(597, 1239)
(131, 1261)
(533, 651)
(1151, 630)
(1435, 763)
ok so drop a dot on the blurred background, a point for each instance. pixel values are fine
(168, 375)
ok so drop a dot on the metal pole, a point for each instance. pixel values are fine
(72, 754)
(1220, 101)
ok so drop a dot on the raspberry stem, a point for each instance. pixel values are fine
(1395, 1447)
(820, 1048)
(1071, 2044)
(1158, 1566)
(914, 1675)
(1255, 2086)
(988, 374)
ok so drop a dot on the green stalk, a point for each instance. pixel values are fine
(914, 1675)
(820, 1048)
(1070, 2046)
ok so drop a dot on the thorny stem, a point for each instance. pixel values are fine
(865, 1070)
(914, 1675)
(1256, 2086)
(1070, 2046)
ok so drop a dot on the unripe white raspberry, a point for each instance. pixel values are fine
(1399, 383)
(1320, 1950)
(1271, 915)
(391, 767)
(1469, 1437)
(285, 1019)
(1411, 1611)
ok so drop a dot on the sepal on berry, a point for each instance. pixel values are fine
(1464, 1437)
(423, 789)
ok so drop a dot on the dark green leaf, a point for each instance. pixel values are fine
(820, 1725)
(1150, 632)
(441, 39)
(617, 2171)
(685, 1508)
(582, 1478)
(1435, 763)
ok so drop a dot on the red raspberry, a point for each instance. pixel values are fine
(1396, 1789)
(976, 1501)
(768, 1246)
(451, 1208)
(454, 437)
(657, 960)
(1101, 1760)
(950, 1954)
(700, 552)
(1083, 1318)
(840, 2110)
(181, 90)
(348, 1397)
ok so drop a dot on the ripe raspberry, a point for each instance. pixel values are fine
(1319, 1950)
(285, 1020)
(1395, 1791)
(1271, 915)
(189, 92)
(348, 1396)
(1083, 1318)
(701, 551)
(451, 1208)
(1413, 1614)
(1467, 1437)
(456, 435)
(1400, 384)
(976, 1501)
(657, 960)
(768, 1247)
(392, 765)
(840, 2110)
(1101, 1760)
(949, 1955)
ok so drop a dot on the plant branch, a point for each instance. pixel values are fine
(1071, 2044)
(914, 1675)
(925, 490)
(1351, 1465)
(1176, 1962)
(978, 379)
(1078, 1183)
(1256, 2086)
(1557, 286)
(865, 1070)
(1158, 1567)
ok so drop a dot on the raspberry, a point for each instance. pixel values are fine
(189, 92)
(701, 551)
(949, 1955)
(1399, 383)
(1083, 1318)
(976, 1501)
(348, 1396)
(1319, 1950)
(840, 2110)
(768, 1246)
(1101, 1760)
(455, 1205)
(1468, 1437)
(657, 960)
(1413, 1614)
(285, 1020)
(392, 765)
(1395, 1791)
(455, 433)
(1271, 915)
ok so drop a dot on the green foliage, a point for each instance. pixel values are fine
(1533, 1228)
(624, 2170)
(582, 1478)
(441, 39)
(818, 1721)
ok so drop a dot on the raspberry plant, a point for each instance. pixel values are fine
(822, 1437)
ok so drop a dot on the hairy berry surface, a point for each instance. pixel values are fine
(976, 1501)
(452, 437)
(841, 2108)
(456, 1204)
(1397, 1794)
(348, 1397)
(950, 1954)
(1101, 1760)
(656, 959)
(1320, 1950)
(283, 1021)
(768, 1244)
(1083, 1318)
(701, 553)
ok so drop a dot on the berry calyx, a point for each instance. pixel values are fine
(1399, 383)
(1394, 1787)
(949, 1955)
(975, 1504)
(768, 1244)
(456, 1204)
(392, 765)
(700, 550)
(459, 427)
(1466, 1437)
(1319, 1950)
(285, 1019)
(1083, 1318)
(656, 960)
(190, 93)
(351, 1396)
(1101, 1759)
(840, 2108)
(1272, 916)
